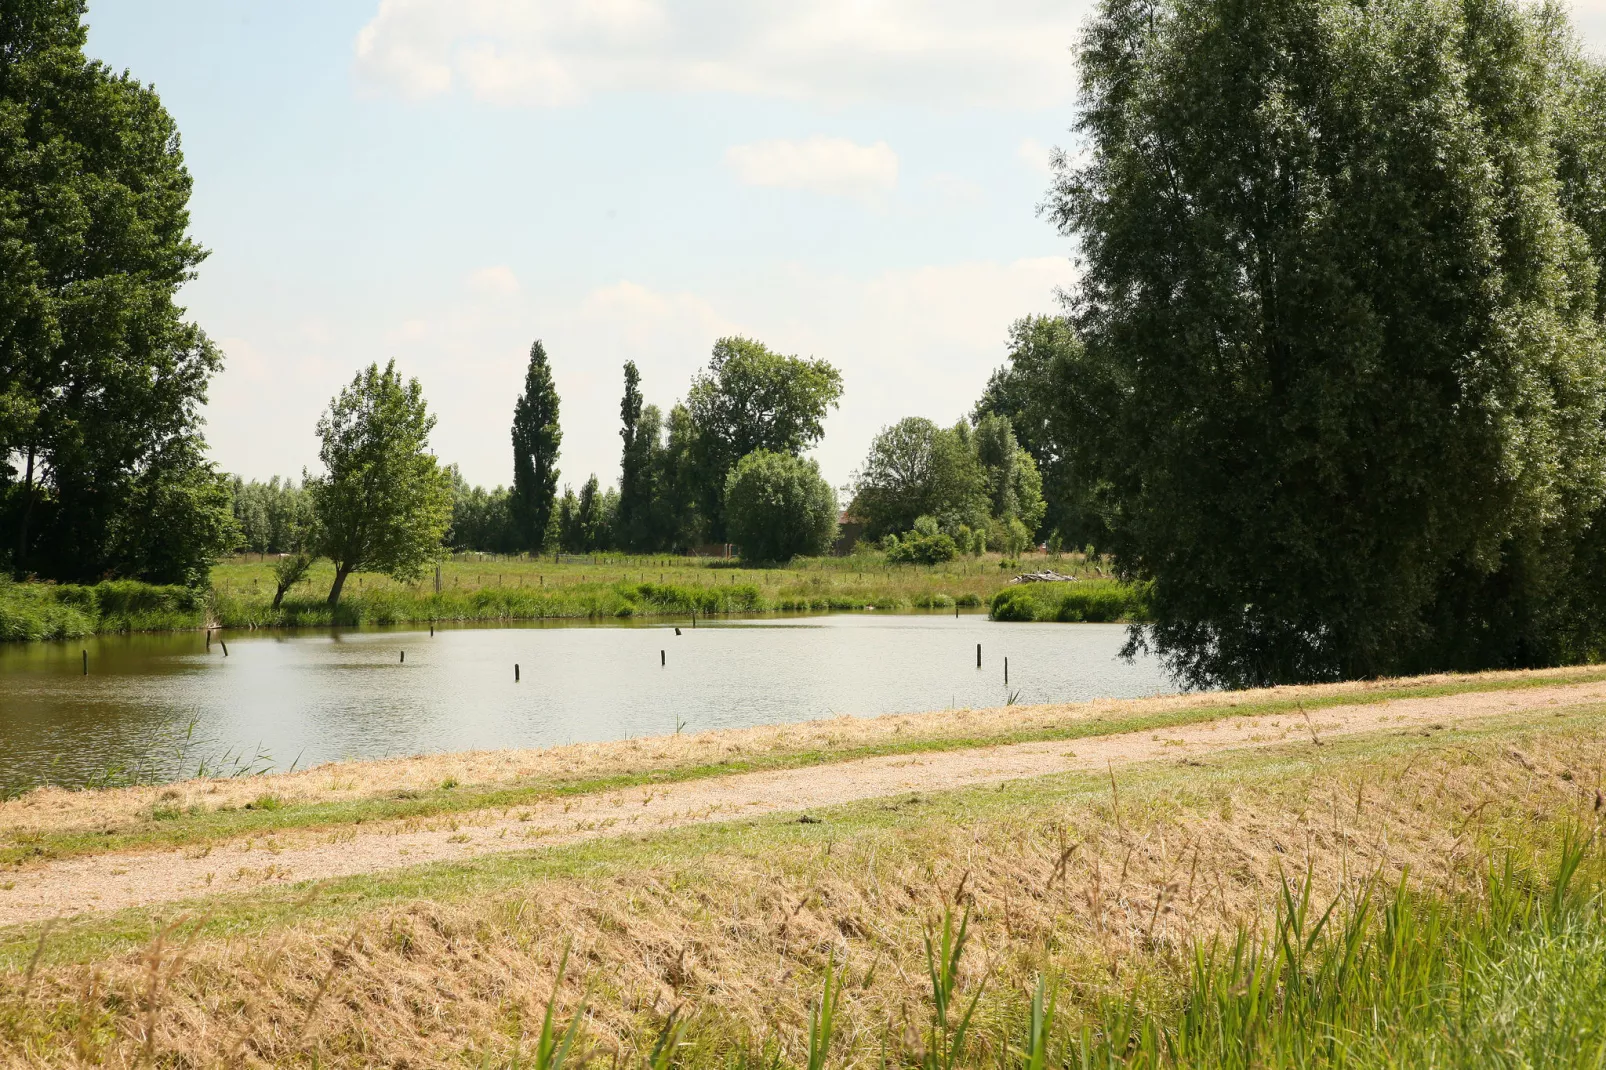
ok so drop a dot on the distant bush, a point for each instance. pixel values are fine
(778, 507)
(917, 549)
(1085, 601)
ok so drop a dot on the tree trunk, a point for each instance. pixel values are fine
(278, 596)
(27, 510)
(341, 572)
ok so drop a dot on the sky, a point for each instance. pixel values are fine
(441, 182)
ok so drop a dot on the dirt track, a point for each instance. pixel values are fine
(117, 881)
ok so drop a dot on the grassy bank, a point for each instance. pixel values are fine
(485, 589)
(31, 611)
(481, 588)
(1175, 918)
(1090, 601)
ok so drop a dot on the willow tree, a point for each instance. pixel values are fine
(1342, 377)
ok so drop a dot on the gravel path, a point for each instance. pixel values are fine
(117, 881)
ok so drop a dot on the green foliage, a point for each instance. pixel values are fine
(638, 482)
(971, 482)
(747, 399)
(1342, 383)
(177, 521)
(288, 571)
(481, 519)
(1092, 601)
(383, 504)
(1044, 354)
(777, 507)
(273, 517)
(536, 439)
(101, 377)
(923, 544)
(916, 468)
(33, 611)
(586, 523)
(1014, 487)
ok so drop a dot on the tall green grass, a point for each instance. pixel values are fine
(1086, 600)
(1513, 975)
(1510, 974)
(66, 611)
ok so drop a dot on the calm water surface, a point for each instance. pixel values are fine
(161, 705)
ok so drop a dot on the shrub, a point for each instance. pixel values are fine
(917, 549)
(1091, 602)
(777, 507)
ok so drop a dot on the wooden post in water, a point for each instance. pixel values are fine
(1006, 672)
(432, 629)
(209, 640)
(224, 645)
(978, 655)
(404, 662)
(515, 672)
(662, 658)
(86, 663)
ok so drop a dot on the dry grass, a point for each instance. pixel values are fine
(736, 926)
(50, 811)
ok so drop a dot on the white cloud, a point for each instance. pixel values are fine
(498, 281)
(1036, 155)
(823, 164)
(549, 53)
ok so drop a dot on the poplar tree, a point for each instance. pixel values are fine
(636, 490)
(536, 437)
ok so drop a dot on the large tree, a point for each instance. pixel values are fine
(536, 438)
(1343, 370)
(383, 504)
(637, 482)
(778, 507)
(751, 398)
(101, 376)
(914, 469)
(1044, 352)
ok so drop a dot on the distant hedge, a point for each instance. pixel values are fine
(68, 611)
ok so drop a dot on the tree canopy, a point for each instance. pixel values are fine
(973, 484)
(1343, 374)
(1044, 352)
(914, 469)
(777, 507)
(750, 398)
(536, 439)
(101, 376)
(383, 503)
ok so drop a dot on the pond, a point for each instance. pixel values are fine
(165, 706)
